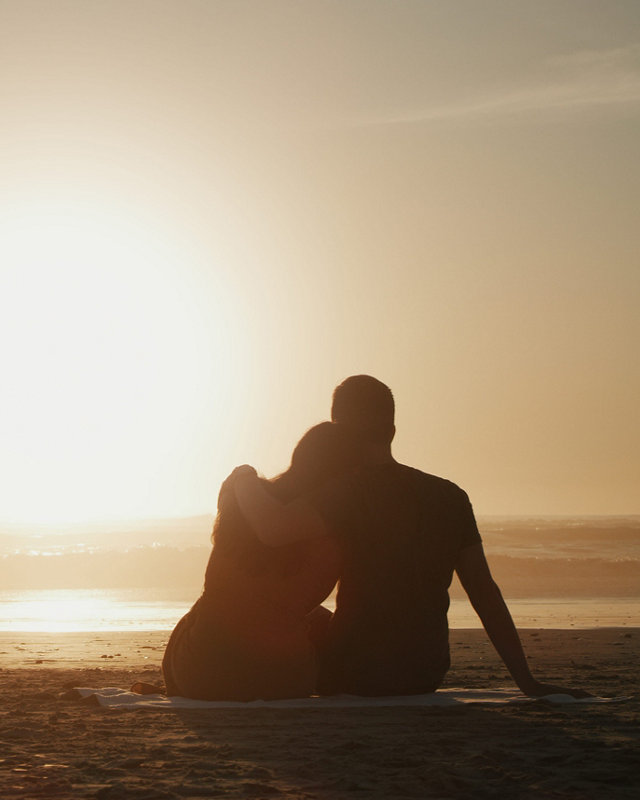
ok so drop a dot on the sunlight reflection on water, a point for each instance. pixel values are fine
(60, 610)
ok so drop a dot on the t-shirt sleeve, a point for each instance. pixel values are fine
(463, 519)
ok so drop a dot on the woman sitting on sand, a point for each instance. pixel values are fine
(247, 637)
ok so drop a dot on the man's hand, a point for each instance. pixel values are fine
(538, 689)
(226, 489)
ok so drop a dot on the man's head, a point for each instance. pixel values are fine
(366, 404)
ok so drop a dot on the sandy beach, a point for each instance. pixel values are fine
(55, 746)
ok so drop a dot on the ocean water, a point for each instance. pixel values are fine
(557, 573)
(71, 610)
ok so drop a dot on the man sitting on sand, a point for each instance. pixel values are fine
(402, 533)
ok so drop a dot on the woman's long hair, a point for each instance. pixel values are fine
(325, 452)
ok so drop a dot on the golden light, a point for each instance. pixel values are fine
(107, 341)
(56, 614)
(66, 611)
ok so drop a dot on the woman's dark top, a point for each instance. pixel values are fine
(247, 637)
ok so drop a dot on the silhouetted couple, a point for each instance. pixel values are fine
(345, 511)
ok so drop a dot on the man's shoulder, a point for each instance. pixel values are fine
(433, 483)
(383, 484)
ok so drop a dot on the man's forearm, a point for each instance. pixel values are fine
(486, 599)
(502, 631)
(273, 522)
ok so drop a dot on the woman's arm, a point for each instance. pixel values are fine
(274, 523)
(486, 598)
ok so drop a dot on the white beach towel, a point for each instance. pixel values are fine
(112, 697)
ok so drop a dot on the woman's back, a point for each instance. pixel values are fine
(282, 593)
(247, 637)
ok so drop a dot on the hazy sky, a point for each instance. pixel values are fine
(212, 212)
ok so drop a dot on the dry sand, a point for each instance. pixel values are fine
(54, 747)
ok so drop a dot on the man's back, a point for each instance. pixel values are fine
(401, 531)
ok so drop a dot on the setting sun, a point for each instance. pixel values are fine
(105, 334)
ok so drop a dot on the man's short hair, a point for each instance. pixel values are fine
(367, 404)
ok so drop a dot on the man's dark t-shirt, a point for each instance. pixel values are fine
(401, 531)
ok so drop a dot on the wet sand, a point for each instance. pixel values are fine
(53, 746)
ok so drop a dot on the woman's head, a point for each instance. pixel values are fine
(326, 451)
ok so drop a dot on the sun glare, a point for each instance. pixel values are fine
(66, 611)
(60, 615)
(104, 333)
